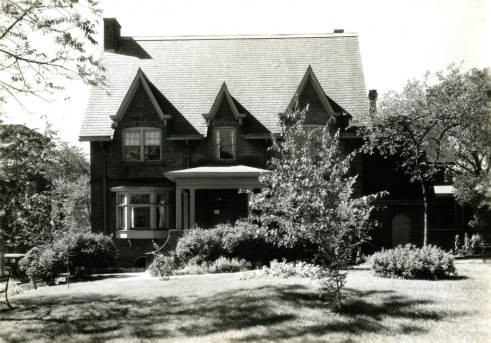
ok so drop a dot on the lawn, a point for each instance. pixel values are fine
(222, 307)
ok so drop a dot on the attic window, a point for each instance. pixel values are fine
(141, 145)
(225, 143)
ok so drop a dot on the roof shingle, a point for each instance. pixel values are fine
(262, 73)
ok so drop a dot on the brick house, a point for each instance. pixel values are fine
(185, 123)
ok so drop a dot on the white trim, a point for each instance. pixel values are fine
(141, 234)
(244, 36)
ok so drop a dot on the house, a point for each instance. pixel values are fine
(185, 123)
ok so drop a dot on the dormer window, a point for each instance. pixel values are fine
(141, 145)
(225, 143)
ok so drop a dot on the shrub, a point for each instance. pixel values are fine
(410, 262)
(202, 244)
(286, 269)
(229, 265)
(194, 267)
(86, 253)
(163, 265)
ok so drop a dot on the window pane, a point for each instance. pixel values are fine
(152, 153)
(152, 145)
(132, 138)
(132, 153)
(141, 217)
(226, 152)
(152, 137)
(140, 199)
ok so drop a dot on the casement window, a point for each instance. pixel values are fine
(142, 210)
(141, 144)
(225, 143)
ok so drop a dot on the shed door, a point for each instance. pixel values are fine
(401, 229)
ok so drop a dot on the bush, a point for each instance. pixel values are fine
(229, 265)
(410, 262)
(242, 240)
(163, 265)
(194, 267)
(201, 244)
(87, 252)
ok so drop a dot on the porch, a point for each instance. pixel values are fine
(210, 195)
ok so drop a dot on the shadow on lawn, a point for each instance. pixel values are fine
(101, 318)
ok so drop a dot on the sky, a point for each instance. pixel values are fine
(399, 40)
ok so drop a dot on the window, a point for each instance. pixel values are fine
(225, 143)
(142, 211)
(142, 144)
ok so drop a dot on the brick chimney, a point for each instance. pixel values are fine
(112, 32)
(372, 96)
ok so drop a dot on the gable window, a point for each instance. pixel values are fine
(225, 143)
(141, 144)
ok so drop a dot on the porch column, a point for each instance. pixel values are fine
(178, 208)
(185, 210)
(191, 206)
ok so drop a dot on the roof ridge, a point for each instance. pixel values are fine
(242, 36)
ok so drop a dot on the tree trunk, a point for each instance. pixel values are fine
(425, 213)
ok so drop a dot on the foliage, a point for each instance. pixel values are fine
(428, 125)
(470, 246)
(163, 265)
(43, 41)
(24, 191)
(201, 244)
(286, 269)
(194, 267)
(229, 265)
(470, 143)
(242, 240)
(309, 195)
(78, 253)
(44, 190)
(87, 252)
(410, 262)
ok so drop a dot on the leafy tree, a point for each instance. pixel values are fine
(24, 193)
(44, 41)
(309, 197)
(45, 190)
(427, 125)
(470, 142)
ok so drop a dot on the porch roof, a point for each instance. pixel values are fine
(215, 172)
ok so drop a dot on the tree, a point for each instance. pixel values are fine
(44, 41)
(309, 197)
(417, 126)
(470, 143)
(45, 190)
(24, 192)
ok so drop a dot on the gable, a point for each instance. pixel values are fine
(140, 108)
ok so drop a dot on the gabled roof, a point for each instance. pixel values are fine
(223, 94)
(310, 77)
(137, 81)
(262, 73)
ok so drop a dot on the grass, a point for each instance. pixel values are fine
(222, 307)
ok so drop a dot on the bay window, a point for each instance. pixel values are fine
(141, 144)
(142, 210)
